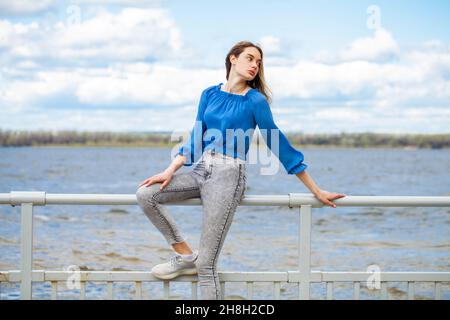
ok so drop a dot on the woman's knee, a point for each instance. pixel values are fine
(145, 195)
(205, 265)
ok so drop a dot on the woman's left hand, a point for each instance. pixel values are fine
(327, 197)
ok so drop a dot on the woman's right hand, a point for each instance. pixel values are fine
(163, 177)
(327, 197)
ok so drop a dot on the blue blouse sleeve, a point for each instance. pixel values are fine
(194, 145)
(291, 158)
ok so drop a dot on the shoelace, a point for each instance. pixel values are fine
(174, 260)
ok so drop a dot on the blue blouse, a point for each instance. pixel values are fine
(219, 110)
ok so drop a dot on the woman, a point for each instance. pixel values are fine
(219, 174)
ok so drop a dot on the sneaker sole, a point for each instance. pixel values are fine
(192, 271)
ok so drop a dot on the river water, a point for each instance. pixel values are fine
(260, 238)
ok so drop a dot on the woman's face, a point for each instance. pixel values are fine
(248, 63)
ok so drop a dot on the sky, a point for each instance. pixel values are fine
(118, 65)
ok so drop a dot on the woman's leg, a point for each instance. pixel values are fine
(220, 194)
(182, 247)
(150, 199)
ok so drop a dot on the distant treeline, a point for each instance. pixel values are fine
(14, 138)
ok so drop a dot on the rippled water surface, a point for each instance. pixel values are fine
(260, 238)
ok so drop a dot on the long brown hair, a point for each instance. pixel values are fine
(258, 82)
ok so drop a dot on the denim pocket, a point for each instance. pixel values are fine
(202, 169)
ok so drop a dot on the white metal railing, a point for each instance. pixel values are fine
(303, 277)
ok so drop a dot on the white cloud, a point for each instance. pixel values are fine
(334, 114)
(143, 83)
(24, 7)
(380, 47)
(111, 65)
(120, 84)
(420, 76)
(125, 119)
(132, 34)
(30, 7)
(413, 94)
(416, 81)
(122, 2)
(270, 45)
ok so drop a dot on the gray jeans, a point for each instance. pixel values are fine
(219, 181)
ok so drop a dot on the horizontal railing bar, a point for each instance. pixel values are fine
(302, 277)
(291, 200)
(130, 276)
(350, 276)
(232, 276)
(296, 276)
(228, 276)
(387, 276)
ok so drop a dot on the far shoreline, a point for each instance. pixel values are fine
(297, 146)
(40, 138)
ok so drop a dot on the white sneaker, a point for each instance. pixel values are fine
(175, 267)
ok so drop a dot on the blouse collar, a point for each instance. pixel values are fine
(232, 95)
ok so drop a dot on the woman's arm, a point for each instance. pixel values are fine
(324, 196)
(291, 158)
(276, 141)
(166, 176)
(193, 147)
(188, 152)
(176, 164)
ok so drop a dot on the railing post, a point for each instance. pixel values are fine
(304, 247)
(26, 200)
(26, 251)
